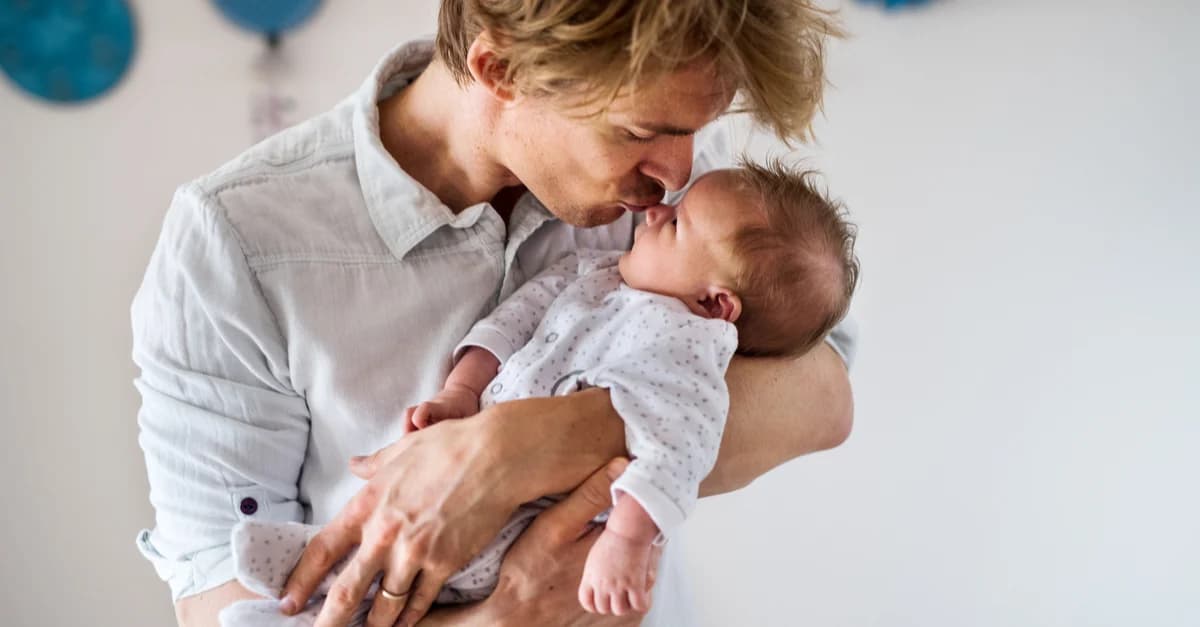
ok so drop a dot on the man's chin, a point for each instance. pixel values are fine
(587, 218)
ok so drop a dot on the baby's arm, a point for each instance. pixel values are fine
(459, 397)
(669, 389)
(490, 342)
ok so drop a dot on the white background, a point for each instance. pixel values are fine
(1026, 179)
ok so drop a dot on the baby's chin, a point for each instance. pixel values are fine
(630, 276)
(623, 267)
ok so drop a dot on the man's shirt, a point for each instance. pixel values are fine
(299, 299)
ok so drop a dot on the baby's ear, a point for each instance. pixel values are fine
(721, 302)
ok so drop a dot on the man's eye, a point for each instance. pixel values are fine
(638, 138)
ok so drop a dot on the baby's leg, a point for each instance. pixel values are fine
(264, 554)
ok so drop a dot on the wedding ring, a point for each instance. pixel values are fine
(392, 596)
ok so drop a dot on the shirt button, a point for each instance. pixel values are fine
(550, 338)
(249, 506)
(496, 389)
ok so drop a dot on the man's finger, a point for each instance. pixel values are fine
(360, 472)
(365, 466)
(567, 521)
(424, 592)
(394, 590)
(350, 588)
(324, 551)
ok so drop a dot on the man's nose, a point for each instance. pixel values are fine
(671, 163)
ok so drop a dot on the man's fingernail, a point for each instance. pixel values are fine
(287, 606)
(357, 459)
(615, 469)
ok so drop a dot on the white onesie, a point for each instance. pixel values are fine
(575, 325)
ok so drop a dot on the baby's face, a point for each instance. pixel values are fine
(683, 251)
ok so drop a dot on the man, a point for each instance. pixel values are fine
(307, 292)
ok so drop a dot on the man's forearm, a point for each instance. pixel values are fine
(550, 445)
(780, 409)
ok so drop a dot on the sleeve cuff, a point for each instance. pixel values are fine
(190, 575)
(662, 510)
(487, 338)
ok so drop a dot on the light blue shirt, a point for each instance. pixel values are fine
(299, 298)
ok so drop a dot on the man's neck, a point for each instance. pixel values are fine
(439, 136)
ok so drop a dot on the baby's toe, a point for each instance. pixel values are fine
(586, 599)
(603, 601)
(620, 603)
(639, 601)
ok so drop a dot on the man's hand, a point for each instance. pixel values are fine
(434, 500)
(436, 497)
(452, 402)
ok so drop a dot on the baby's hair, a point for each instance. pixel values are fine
(797, 268)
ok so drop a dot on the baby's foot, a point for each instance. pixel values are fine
(615, 576)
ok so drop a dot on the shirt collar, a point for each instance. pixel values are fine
(404, 211)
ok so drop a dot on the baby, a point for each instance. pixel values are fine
(752, 260)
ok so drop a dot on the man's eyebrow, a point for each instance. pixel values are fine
(666, 129)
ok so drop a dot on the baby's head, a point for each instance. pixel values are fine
(757, 246)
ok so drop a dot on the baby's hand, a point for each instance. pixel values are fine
(451, 403)
(616, 577)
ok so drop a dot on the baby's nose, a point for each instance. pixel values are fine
(658, 214)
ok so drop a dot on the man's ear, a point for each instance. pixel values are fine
(487, 68)
(721, 302)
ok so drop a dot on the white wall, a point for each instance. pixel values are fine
(1026, 181)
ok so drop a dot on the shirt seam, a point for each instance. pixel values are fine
(267, 262)
(218, 210)
(242, 178)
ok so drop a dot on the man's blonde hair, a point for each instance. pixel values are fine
(771, 51)
(797, 270)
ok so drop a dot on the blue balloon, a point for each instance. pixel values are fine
(895, 4)
(66, 50)
(268, 17)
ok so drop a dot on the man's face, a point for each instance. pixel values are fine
(589, 170)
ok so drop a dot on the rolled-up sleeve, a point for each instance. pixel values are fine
(223, 432)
